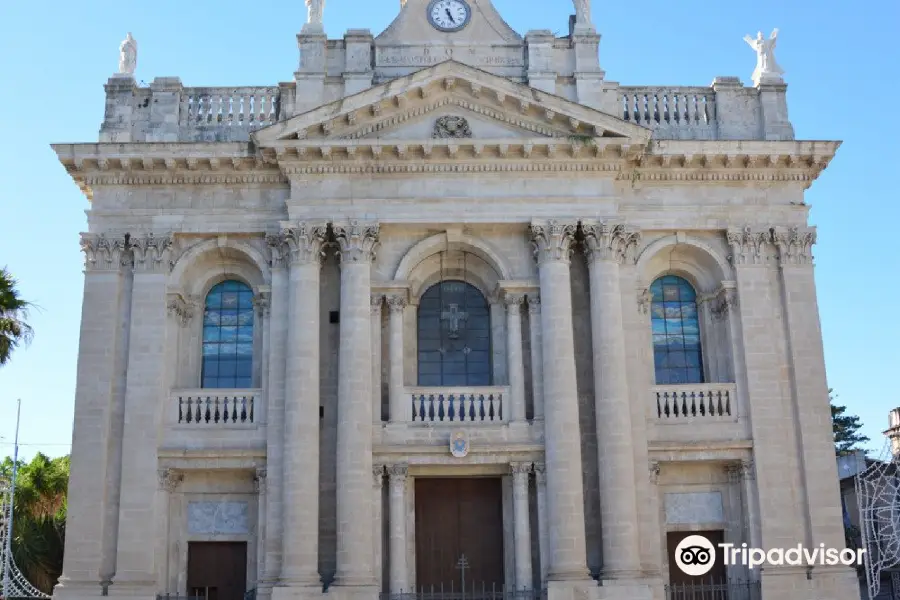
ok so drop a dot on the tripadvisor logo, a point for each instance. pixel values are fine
(695, 555)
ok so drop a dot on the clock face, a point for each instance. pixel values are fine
(449, 15)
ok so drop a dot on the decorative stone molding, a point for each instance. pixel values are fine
(794, 245)
(377, 475)
(170, 479)
(724, 301)
(262, 302)
(376, 302)
(654, 472)
(102, 253)
(740, 471)
(534, 304)
(300, 245)
(451, 127)
(398, 472)
(644, 300)
(260, 477)
(513, 302)
(397, 302)
(358, 241)
(182, 307)
(540, 473)
(749, 246)
(152, 253)
(518, 468)
(609, 242)
(552, 242)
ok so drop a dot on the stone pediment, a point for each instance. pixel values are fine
(409, 107)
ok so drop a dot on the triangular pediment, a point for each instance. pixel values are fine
(410, 107)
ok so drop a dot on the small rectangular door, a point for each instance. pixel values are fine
(217, 570)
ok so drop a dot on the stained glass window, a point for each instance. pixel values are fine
(454, 336)
(676, 332)
(228, 336)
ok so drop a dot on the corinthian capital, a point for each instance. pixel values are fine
(552, 242)
(169, 479)
(749, 246)
(397, 302)
(102, 253)
(181, 307)
(794, 245)
(609, 241)
(358, 241)
(152, 253)
(300, 245)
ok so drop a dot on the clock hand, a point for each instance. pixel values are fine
(447, 10)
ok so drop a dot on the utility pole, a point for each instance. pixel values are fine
(7, 552)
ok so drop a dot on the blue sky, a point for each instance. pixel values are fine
(841, 60)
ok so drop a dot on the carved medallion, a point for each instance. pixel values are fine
(452, 127)
(459, 444)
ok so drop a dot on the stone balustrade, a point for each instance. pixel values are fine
(702, 401)
(215, 408)
(250, 107)
(458, 405)
(680, 113)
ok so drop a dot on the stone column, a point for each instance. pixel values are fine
(397, 304)
(354, 431)
(378, 522)
(275, 411)
(376, 301)
(540, 478)
(399, 569)
(89, 551)
(537, 359)
(302, 245)
(262, 530)
(169, 481)
(522, 524)
(516, 367)
(607, 247)
(149, 342)
(565, 498)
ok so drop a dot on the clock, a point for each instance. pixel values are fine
(449, 15)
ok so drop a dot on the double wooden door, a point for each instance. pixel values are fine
(458, 517)
(217, 570)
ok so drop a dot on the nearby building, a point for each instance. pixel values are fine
(296, 296)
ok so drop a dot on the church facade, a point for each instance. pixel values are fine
(448, 308)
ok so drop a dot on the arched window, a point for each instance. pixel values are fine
(454, 336)
(676, 332)
(228, 336)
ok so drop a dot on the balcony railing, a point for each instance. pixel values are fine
(710, 401)
(730, 590)
(458, 405)
(672, 113)
(216, 408)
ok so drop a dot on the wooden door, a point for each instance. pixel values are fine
(684, 585)
(217, 570)
(456, 517)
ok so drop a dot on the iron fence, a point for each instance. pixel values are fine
(473, 592)
(727, 590)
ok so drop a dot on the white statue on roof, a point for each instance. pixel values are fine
(128, 56)
(767, 70)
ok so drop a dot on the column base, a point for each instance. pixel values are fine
(352, 592)
(821, 583)
(582, 589)
(631, 588)
(298, 592)
(77, 590)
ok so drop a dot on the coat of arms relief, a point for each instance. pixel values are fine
(451, 127)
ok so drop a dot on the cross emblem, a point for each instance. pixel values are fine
(454, 316)
(462, 564)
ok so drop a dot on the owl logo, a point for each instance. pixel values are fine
(459, 444)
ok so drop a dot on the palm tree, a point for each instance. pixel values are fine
(39, 518)
(14, 330)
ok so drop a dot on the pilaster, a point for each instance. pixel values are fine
(552, 242)
(522, 524)
(537, 358)
(149, 341)
(170, 481)
(397, 303)
(358, 44)
(400, 582)
(516, 366)
(301, 246)
(378, 524)
(260, 476)
(608, 245)
(311, 72)
(358, 242)
(376, 303)
(540, 478)
(541, 67)
(89, 549)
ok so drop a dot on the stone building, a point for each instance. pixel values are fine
(449, 291)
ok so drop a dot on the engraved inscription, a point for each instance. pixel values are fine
(218, 517)
(425, 56)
